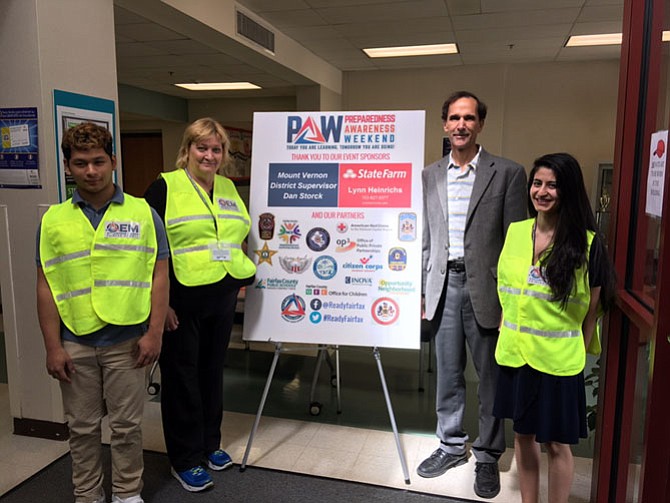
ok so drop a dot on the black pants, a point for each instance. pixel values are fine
(191, 364)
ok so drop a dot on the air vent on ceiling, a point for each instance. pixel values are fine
(250, 29)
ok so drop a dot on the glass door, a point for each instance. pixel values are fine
(632, 460)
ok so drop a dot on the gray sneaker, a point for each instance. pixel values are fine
(439, 462)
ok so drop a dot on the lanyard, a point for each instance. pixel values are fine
(207, 204)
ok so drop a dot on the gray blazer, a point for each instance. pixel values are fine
(499, 197)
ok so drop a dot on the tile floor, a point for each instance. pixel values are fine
(329, 445)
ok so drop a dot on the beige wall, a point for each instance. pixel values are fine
(533, 108)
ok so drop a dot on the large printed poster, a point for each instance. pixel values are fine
(336, 208)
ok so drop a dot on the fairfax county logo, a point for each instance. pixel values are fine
(385, 311)
(318, 239)
(265, 254)
(325, 267)
(128, 230)
(295, 265)
(293, 308)
(266, 226)
(309, 132)
(289, 232)
(397, 259)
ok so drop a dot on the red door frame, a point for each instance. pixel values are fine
(631, 323)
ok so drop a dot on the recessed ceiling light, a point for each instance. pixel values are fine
(218, 86)
(411, 50)
(603, 39)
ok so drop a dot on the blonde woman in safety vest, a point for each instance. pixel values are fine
(101, 300)
(206, 223)
(554, 280)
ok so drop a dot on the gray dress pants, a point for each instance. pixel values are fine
(454, 325)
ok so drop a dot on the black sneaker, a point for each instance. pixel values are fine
(487, 480)
(439, 462)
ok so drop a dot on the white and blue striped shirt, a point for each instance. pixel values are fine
(459, 190)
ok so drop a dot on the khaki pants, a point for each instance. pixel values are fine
(105, 382)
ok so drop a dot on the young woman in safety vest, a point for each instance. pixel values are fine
(206, 223)
(554, 281)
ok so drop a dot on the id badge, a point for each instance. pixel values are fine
(535, 276)
(220, 252)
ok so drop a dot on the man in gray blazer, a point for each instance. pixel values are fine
(470, 198)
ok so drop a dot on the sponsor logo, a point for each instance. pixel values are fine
(407, 226)
(295, 265)
(342, 227)
(397, 259)
(396, 286)
(385, 311)
(293, 308)
(276, 284)
(318, 239)
(127, 230)
(266, 226)
(344, 245)
(364, 264)
(309, 131)
(227, 205)
(289, 232)
(265, 254)
(316, 290)
(353, 280)
(325, 267)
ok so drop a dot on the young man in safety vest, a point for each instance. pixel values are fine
(102, 296)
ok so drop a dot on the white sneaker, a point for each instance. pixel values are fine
(130, 499)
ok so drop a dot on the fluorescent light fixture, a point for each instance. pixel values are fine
(218, 86)
(603, 39)
(411, 50)
(589, 40)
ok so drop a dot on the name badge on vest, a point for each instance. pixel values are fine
(535, 276)
(220, 252)
(227, 205)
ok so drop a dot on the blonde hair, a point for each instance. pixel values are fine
(198, 131)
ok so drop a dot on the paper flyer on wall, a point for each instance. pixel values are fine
(336, 209)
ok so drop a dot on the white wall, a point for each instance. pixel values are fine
(533, 109)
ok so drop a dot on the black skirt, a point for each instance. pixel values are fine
(553, 408)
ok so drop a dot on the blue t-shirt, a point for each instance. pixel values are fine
(109, 334)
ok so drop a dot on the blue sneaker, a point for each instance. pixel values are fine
(194, 480)
(219, 460)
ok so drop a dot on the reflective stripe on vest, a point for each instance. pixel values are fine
(95, 275)
(196, 226)
(536, 330)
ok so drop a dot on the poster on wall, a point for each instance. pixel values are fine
(238, 167)
(336, 209)
(656, 173)
(71, 109)
(19, 152)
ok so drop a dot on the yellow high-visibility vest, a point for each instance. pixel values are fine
(535, 330)
(205, 235)
(104, 275)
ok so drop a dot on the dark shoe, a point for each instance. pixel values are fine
(487, 480)
(439, 462)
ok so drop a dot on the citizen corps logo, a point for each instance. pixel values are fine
(308, 131)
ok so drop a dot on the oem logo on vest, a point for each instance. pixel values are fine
(129, 230)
